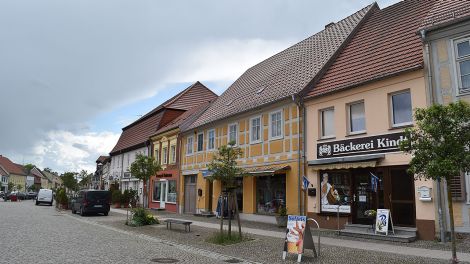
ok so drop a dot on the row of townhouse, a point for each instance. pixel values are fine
(331, 108)
(21, 179)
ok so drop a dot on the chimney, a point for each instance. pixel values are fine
(329, 25)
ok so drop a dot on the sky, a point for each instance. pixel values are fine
(73, 73)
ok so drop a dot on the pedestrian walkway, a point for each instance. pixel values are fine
(372, 246)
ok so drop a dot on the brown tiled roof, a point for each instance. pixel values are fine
(284, 74)
(385, 45)
(102, 159)
(137, 134)
(3, 172)
(445, 12)
(10, 167)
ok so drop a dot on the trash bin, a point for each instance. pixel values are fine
(14, 198)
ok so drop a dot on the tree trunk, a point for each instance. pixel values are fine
(144, 195)
(229, 209)
(452, 231)
(235, 202)
(221, 213)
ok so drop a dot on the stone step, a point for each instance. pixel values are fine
(404, 238)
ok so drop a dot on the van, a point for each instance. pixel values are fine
(92, 202)
(44, 196)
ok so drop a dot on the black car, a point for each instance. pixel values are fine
(91, 202)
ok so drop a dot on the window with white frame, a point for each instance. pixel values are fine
(357, 117)
(327, 122)
(211, 139)
(165, 155)
(233, 133)
(462, 56)
(189, 145)
(255, 129)
(402, 112)
(200, 142)
(157, 154)
(173, 154)
(275, 128)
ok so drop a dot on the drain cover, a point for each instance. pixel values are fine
(164, 260)
(233, 260)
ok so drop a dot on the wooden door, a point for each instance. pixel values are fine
(190, 194)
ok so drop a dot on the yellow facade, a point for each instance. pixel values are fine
(278, 152)
(18, 180)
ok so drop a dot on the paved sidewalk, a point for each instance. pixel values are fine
(375, 246)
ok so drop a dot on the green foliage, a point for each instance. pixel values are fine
(10, 186)
(142, 217)
(282, 211)
(29, 167)
(61, 197)
(144, 167)
(224, 166)
(224, 239)
(19, 187)
(69, 181)
(440, 141)
(116, 196)
(133, 197)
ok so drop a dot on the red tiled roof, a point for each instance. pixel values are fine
(385, 45)
(10, 167)
(445, 12)
(102, 159)
(3, 172)
(284, 74)
(137, 134)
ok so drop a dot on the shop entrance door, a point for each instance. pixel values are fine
(365, 196)
(399, 192)
(163, 193)
(190, 194)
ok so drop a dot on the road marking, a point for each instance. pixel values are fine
(186, 248)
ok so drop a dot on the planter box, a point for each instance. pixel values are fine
(281, 221)
(117, 205)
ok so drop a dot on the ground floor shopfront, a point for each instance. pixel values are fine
(163, 191)
(260, 193)
(371, 182)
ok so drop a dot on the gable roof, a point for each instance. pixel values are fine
(3, 172)
(284, 74)
(385, 45)
(445, 12)
(137, 134)
(10, 167)
(102, 159)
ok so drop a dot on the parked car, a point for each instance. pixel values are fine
(18, 195)
(44, 196)
(91, 202)
(31, 195)
(2, 194)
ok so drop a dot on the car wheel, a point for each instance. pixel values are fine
(106, 213)
(81, 211)
(37, 203)
(73, 211)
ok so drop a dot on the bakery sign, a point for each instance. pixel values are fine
(360, 146)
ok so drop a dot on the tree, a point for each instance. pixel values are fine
(19, 187)
(143, 168)
(10, 186)
(440, 144)
(69, 181)
(224, 168)
(85, 178)
(29, 167)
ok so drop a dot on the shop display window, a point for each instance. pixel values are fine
(270, 194)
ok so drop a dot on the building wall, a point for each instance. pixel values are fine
(444, 86)
(282, 152)
(18, 180)
(376, 97)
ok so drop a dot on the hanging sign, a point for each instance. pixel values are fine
(382, 220)
(305, 182)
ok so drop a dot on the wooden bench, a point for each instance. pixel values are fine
(187, 224)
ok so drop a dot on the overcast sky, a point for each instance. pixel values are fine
(73, 73)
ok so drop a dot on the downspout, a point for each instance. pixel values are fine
(299, 196)
(431, 98)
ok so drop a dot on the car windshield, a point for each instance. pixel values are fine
(97, 195)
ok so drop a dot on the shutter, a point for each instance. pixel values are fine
(457, 187)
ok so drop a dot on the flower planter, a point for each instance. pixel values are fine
(117, 205)
(63, 206)
(281, 221)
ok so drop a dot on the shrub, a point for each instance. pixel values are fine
(61, 197)
(116, 196)
(142, 217)
(125, 198)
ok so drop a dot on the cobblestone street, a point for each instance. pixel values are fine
(41, 234)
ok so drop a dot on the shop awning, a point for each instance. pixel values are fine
(265, 170)
(346, 162)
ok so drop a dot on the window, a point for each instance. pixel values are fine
(173, 154)
(200, 142)
(157, 154)
(401, 108)
(189, 145)
(255, 129)
(270, 194)
(357, 119)
(165, 155)
(156, 191)
(233, 133)
(336, 185)
(462, 51)
(211, 139)
(276, 125)
(171, 195)
(327, 122)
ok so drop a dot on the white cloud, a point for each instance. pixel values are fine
(73, 152)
